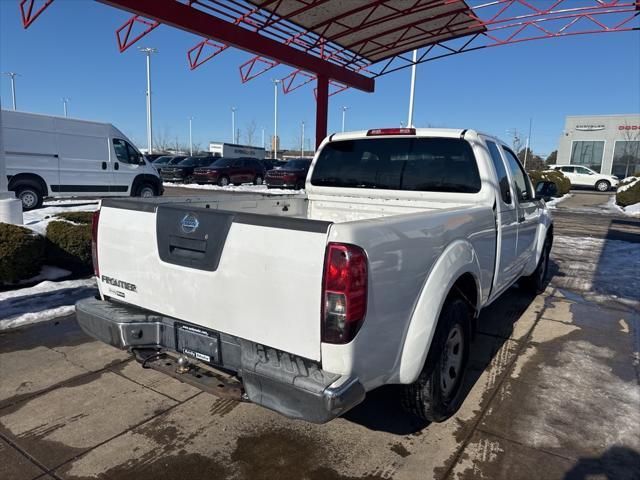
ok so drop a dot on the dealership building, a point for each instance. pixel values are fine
(608, 144)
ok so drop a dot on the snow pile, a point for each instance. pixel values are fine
(38, 219)
(632, 210)
(45, 301)
(552, 203)
(233, 188)
(47, 272)
(599, 269)
(624, 186)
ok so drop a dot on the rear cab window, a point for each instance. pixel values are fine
(427, 164)
(501, 172)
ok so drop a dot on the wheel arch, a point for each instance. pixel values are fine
(143, 178)
(456, 270)
(28, 178)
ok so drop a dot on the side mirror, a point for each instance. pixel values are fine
(545, 190)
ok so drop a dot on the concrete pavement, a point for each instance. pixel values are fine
(553, 392)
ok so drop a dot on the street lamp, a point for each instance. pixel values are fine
(148, 51)
(413, 88)
(275, 117)
(344, 112)
(233, 124)
(302, 141)
(190, 138)
(12, 76)
(65, 102)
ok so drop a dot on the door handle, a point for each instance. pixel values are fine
(116, 166)
(104, 165)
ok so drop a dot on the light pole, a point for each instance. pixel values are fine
(263, 137)
(302, 141)
(190, 138)
(344, 113)
(148, 51)
(233, 124)
(276, 82)
(413, 89)
(65, 102)
(12, 76)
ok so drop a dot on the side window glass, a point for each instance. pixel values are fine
(134, 157)
(521, 184)
(120, 146)
(501, 172)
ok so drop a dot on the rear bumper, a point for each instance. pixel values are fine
(291, 385)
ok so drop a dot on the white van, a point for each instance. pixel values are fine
(63, 157)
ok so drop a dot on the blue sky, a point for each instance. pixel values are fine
(70, 51)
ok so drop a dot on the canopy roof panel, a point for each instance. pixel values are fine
(376, 30)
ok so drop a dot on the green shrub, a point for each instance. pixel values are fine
(21, 253)
(69, 246)
(83, 218)
(629, 195)
(557, 177)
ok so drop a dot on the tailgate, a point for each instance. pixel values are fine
(254, 276)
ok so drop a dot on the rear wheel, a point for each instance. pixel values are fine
(258, 180)
(603, 186)
(437, 393)
(223, 181)
(30, 196)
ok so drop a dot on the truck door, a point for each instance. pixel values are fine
(83, 162)
(507, 225)
(126, 164)
(527, 207)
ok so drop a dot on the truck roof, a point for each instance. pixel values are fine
(420, 132)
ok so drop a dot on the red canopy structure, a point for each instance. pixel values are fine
(349, 43)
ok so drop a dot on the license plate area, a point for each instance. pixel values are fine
(198, 343)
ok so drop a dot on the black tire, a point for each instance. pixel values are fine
(30, 195)
(223, 181)
(436, 395)
(537, 281)
(146, 190)
(602, 186)
(259, 180)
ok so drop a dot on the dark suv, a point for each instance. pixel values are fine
(231, 170)
(292, 175)
(167, 160)
(183, 171)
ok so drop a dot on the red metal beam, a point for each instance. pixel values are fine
(123, 34)
(27, 13)
(171, 12)
(194, 54)
(322, 109)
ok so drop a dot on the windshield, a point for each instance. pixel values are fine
(162, 160)
(176, 160)
(299, 164)
(189, 162)
(418, 164)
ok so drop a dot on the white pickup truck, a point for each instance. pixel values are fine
(303, 303)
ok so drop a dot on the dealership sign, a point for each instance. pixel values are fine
(589, 128)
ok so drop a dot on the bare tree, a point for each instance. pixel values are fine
(162, 140)
(250, 132)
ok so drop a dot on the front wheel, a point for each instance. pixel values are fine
(223, 181)
(437, 393)
(537, 281)
(146, 190)
(603, 186)
(258, 180)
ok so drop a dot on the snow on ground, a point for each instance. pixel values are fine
(556, 201)
(47, 272)
(632, 181)
(38, 219)
(233, 188)
(599, 269)
(44, 301)
(632, 210)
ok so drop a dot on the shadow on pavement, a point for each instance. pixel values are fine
(617, 463)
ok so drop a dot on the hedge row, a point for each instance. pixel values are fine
(555, 176)
(67, 244)
(629, 191)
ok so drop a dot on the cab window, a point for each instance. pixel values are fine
(501, 172)
(520, 182)
(125, 153)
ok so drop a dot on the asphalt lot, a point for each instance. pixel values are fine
(553, 392)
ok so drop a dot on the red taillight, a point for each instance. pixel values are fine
(344, 292)
(94, 241)
(391, 131)
(289, 176)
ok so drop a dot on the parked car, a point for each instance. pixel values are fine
(152, 157)
(272, 163)
(184, 169)
(291, 175)
(167, 160)
(581, 176)
(49, 156)
(231, 170)
(376, 277)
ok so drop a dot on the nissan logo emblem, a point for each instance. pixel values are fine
(189, 223)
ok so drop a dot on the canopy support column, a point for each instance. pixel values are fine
(322, 108)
